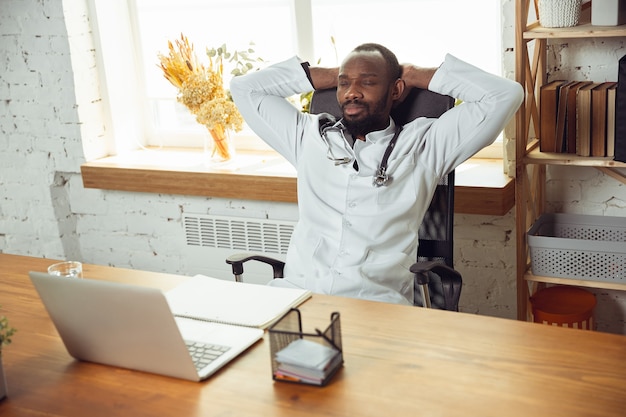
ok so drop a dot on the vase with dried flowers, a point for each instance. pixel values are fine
(6, 332)
(201, 89)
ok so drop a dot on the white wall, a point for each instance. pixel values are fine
(50, 106)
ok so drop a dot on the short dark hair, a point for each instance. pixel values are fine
(393, 67)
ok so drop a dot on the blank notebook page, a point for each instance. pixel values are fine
(230, 302)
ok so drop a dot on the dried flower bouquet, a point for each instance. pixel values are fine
(201, 88)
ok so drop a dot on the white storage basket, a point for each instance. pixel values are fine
(559, 13)
(579, 247)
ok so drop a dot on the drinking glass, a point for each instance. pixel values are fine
(68, 269)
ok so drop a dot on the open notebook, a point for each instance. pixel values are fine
(231, 302)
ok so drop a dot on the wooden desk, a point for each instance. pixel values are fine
(399, 361)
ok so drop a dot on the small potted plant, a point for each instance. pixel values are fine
(6, 331)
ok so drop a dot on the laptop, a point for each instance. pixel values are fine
(133, 327)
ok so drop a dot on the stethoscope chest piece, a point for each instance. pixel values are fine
(381, 179)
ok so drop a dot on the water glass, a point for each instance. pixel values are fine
(68, 269)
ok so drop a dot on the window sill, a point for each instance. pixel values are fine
(481, 186)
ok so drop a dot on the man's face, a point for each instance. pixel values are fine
(364, 92)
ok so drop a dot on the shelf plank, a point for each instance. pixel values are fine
(583, 30)
(552, 158)
(575, 282)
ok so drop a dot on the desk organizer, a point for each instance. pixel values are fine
(579, 247)
(288, 330)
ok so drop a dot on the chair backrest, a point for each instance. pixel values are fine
(436, 231)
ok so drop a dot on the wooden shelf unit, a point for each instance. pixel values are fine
(530, 71)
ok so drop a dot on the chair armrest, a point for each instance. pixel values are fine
(237, 260)
(451, 280)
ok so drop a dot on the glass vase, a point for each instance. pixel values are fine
(218, 145)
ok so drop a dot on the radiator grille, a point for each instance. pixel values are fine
(236, 233)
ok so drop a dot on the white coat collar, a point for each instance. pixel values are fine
(380, 135)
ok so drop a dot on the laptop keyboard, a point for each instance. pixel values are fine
(204, 353)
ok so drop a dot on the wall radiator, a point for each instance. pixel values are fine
(236, 233)
(211, 238)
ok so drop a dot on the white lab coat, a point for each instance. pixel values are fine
(354, 239)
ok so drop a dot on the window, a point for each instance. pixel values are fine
(131, 33)
(235, 23)
(418, 31)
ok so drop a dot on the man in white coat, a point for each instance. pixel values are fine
(357, 233)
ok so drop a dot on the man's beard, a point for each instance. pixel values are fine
(371, 122)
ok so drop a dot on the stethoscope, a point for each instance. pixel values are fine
(329, 153)
(381, 178)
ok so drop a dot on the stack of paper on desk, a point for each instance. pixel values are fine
(230, 302)
(306, 361)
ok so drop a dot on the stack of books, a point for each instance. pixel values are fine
(308, 362)
(578, 117)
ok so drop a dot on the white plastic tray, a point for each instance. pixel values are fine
(579, 247)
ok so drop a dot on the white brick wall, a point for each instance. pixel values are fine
(50, 108)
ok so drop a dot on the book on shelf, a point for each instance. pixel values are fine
(549, 101)
(570, 119)
(235, 303)
(599, 119)
(610, 120)
(620, 109)
(583, 120)
(561, 116)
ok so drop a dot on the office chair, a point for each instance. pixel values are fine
(437, 284)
